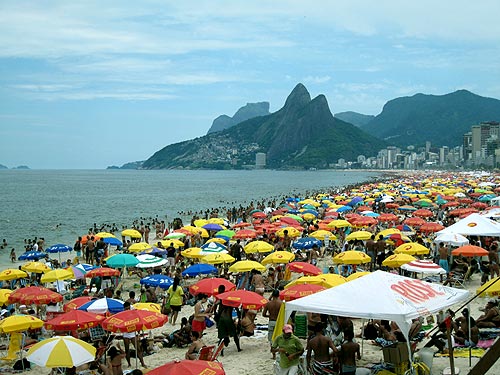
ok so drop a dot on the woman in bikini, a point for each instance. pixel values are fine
(115, 360)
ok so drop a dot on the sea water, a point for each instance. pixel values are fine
(60, 205)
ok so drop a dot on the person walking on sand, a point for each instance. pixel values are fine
(290, 348)
(271, 311)
(323, 362)
(13, 256)
(175, 295)
(349, 352)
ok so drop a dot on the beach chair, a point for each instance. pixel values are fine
(206, 353)
(219, 350)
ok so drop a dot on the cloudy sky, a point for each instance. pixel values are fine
(87, 84)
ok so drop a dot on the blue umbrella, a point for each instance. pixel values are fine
(112, 241)
(103, 305)
(156, 252)
(212, 226)
(305, 243)
(199, 269)
(162, 281)
(32, 255)
(344, 209)
(354, 201)
(59, 248)
(309, 211)
(86, 267)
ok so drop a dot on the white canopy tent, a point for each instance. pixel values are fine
(381, 295)
(474, 225)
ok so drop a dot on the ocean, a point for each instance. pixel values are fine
(60, 205)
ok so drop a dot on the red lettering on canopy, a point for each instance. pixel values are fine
(415, 290)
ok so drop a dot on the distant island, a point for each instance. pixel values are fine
(18, 167)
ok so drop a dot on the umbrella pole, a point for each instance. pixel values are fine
(137, 349)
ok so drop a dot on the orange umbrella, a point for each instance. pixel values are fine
(76, 303)
(303, 267)
(102, 271)
(245, 298)
(134, 321)
(300, 290)
(470, 251)
(431, 227)
(74, 319)
(34, 294)
(210, 286)
(423, 212)
(417, 221)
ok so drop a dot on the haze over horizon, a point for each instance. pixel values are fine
(88, 84)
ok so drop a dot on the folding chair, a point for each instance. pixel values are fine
(206, 353)
(219, 350)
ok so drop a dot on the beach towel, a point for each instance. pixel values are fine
(463, 353)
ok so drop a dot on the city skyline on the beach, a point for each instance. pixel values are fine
(84, 85)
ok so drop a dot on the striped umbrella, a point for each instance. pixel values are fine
(61, 351)
(150, 261)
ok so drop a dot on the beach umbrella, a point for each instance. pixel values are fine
(121, 260)
(18, 323)
(132, 233)
(35, 267)
(278, 257)
(12, 274)
(32, 255)
(218, 258)
(192, 252)
(150, 261)
(244, 298)
(431, 227)
(76, 303)
(454, 239)
(339, 224)
(412, 248)
(318, 280)
(133, 321)
(57, 274)
(4, 296)
(156, 252)
(199, 269)
(355, 275)
(303, 267)
(148, 306)
(74, 320)
(388, 218)
(212, 247)
(470, 251)
(61, 351)
(414, 221)
(306, 242)
(174, 235)
(397, 260)
(300, 290)
(113, 241)
(359, 235)
(490, 288)
(258, 247)
(387, 232)
(157, 280)
(78, 272)
(246, 266)
(210, 286)
(59, 248)
(172, 242)
(225, 233)
(222, 240)
(423, 212)
(245, 233)
(188, 367)
(351, 257)
(292, 232)
(423, 266)
(139, 246)
(34, 294)
(213, 227)
(103, 306)
(104, 235)
(102, 271)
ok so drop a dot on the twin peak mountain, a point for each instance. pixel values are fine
(304, 134)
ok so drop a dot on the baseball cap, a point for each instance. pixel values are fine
(287, 328)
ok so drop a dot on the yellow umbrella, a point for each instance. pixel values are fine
(388, 232)
(18, 323)
(397, 260)
(491, 288)
(105, 235)
(338, 224)
(217, 258)
(192, 252)
(359, 235)
(154, 307)
(35, 267)
(216, 239)
(175, 243)
(321, 234)
(412, 248)
(292, 232)
(278, 257)
(355, 275)
(351, 257)
(333, 279)
(139, 246)
(4, 296)
(308, 216)
(61, 351)
(216, 220)
(246, 265)
(258, 247)
(311, 202)
(132, 233)
(318, 280)
(200, 222)
(12, 274)
(58, 274)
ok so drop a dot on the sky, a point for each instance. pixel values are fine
(89, 84)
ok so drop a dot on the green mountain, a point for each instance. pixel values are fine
(441, 119)
(250, 110)
(302, 134)
(354, 118)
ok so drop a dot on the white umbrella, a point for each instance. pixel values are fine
(454, 239)
(423, 266)
(148, 261)
(61, 351)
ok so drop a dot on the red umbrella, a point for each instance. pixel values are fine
(102, 271)
(243, 224)
(34, 294)
(479, 205)
(74, 319)
(305, 268)
(245, 298)
(392, 205)
(134, 321)
(289, 221)
(388, 218)
(76, 303)
(364, 221)
(423, 212)
(431, 227)
(245, 233)
(417, 221)
(300, 290)
(210, 286)
(187, 367)
(470, 251)
(259, 215)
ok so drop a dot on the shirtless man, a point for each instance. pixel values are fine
(323, 363)
(349, 351)
(271, 311)
(443, 257)
(258, 282)
(493, 258)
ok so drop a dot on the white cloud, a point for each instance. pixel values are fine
(316, 79)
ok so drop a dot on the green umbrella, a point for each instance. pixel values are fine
(225, 233)
(121, 260)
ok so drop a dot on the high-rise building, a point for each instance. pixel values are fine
(260, 160)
